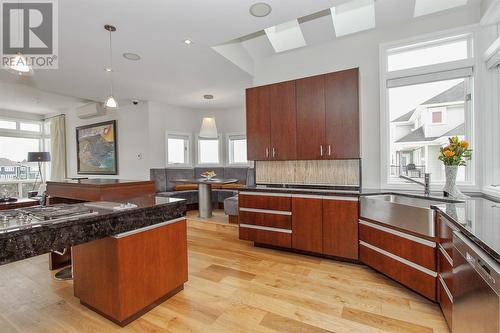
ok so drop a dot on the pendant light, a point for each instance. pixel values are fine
(19, 65)
(208, 128)
(110, 102)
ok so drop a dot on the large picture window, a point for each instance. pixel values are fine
(427, 97)
(17, 138)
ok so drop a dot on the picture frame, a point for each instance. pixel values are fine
(97, 149)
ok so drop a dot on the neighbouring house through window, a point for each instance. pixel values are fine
(17, 138)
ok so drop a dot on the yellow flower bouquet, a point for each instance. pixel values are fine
(456, 153)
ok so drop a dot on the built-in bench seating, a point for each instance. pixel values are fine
(223, 195)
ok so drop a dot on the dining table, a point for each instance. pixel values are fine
(205, 192)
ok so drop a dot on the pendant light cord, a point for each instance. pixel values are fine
(111, 62)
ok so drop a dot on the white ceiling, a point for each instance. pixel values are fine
(169, 72)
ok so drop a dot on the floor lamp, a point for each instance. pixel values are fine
(39, 157)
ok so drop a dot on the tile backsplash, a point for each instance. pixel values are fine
(321, 172)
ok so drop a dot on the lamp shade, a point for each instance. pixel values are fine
(39, 156)
(208, 128)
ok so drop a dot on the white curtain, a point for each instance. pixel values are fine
(58, 148)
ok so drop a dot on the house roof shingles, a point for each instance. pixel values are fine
(417, 135)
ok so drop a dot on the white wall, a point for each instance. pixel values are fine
(132, 136)
(141, 134)
(361, 50)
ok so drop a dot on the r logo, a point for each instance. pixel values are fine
(27, 28)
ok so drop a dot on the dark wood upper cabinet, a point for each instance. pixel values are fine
(258, 112)
(311, 118)
(307, 119)
(342, 115)
(307, 225)
(283, 121)
(340, 228)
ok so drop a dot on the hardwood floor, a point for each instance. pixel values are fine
(232, 287)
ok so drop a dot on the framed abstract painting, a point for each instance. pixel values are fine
(97, 149)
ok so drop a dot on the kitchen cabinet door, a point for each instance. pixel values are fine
(311, 118)
(342, 115)
(283, 121)
(258, 123)
(307, 226)
(340, 228)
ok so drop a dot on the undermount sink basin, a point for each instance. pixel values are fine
(404, 212)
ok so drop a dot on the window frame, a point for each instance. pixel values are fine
(188, 155)
(443, 111)
(429, 73)
(234, 136)
(221, 155)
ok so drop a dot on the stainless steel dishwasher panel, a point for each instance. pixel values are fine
(476, 289)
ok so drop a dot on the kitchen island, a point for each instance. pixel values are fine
(126, 259)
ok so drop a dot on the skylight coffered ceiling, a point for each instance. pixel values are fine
(353, 16)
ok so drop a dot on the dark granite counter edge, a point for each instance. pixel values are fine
(30, 242)
(484, 246)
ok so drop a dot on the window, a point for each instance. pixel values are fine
(30, 127)
(237, 149)
(425, 106)
(178, 152)
(5, 124)
(17, 138)
(429, 53)
(209, 151)
(437, 117)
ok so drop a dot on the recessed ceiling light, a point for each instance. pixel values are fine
(353, 16)
(286, 36)
(188, 41)
(108, 69)
(208, 96)
(425, 7)
(131, 56)
(260, 9)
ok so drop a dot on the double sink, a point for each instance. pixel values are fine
(407, 212)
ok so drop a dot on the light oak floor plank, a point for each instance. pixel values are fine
(233, 287)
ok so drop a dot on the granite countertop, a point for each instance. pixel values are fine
(479, 219)
(30, 239)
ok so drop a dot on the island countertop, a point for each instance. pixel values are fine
(32, 238)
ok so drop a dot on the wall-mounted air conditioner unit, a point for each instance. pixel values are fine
(90, 110)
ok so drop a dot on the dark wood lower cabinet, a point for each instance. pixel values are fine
(266, 237)
(419, 251)
(419, 281)
(340, 228)
(445, 301)
(125, 276)
(307, 224)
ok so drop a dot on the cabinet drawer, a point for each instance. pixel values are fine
(445, 301)
(270, 202)
(445, 267)
(268, 237)
(399, 269)
(417, 250)
(266, 219)
(445, 234)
